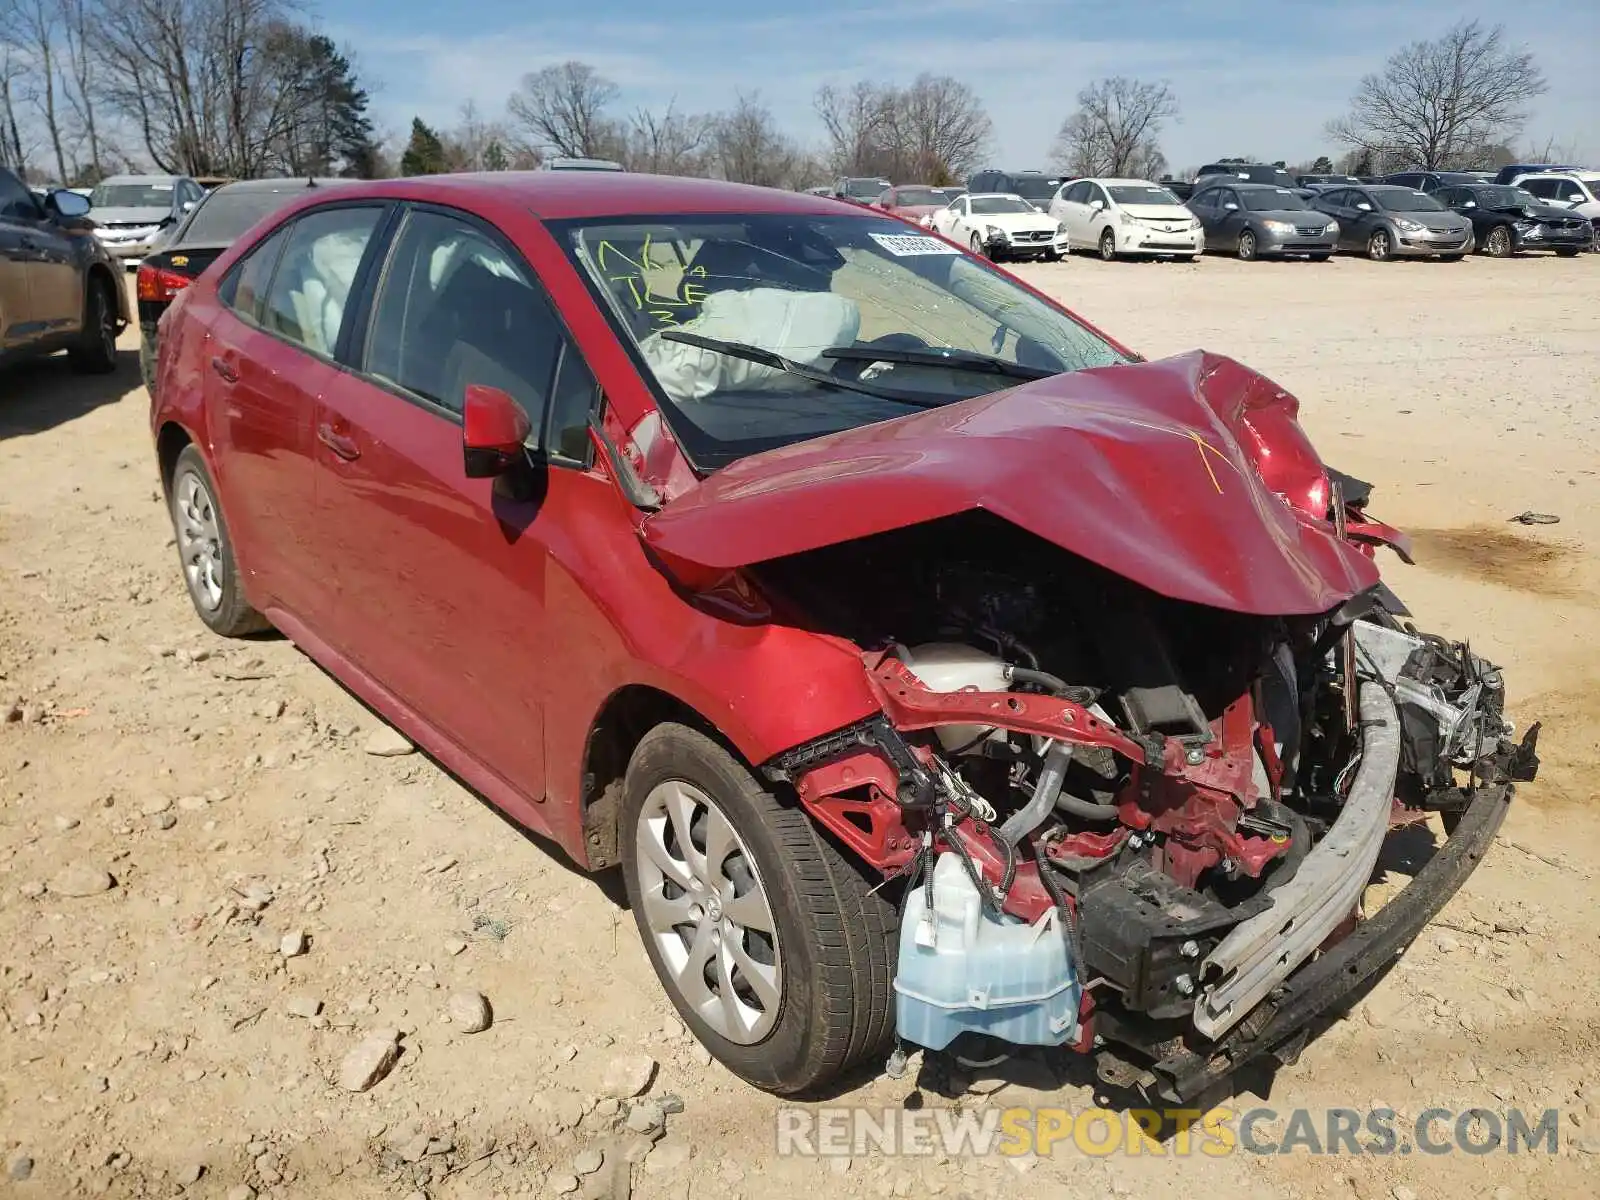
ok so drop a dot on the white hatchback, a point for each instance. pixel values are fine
(1126, 216)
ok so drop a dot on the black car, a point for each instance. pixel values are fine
(1432, 181)
(210, 228)
(1321, 180)
(1239, 172)
(59, 289)
(1036, 187)
(1508, 219)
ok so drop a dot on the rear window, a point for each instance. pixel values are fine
(224, 215)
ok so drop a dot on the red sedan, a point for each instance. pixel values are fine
(939, 673)
(916, 202)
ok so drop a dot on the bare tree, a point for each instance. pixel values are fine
(669, 142)
(933, 131)
(36, 26)
(1115, 128)
(563, 108)
(78, 22)
(12, 153)
(1443, 103)
(750, 149)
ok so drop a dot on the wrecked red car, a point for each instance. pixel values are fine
(941, 674)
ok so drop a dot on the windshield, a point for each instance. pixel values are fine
(1037, 188)
(224, 215)
(865, 189)
(1275, 200)
(1147, 194)
(993, 205)
(1408, 201)
(132, 195)
(929, 197)
(800, 287)
(1503, 197)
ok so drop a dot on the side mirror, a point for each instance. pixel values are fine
(188, 206)
(1230, 206)
(1469, 204)
(63, 203)
(494, 430)
(1096, 204)
(1363, 207)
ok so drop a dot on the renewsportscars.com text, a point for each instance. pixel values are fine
(841, 1132)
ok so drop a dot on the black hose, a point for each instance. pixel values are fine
(985, 896)
(1044, 679)
(1089, 810)
(1069, 929)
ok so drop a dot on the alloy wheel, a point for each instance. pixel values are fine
(199, 539)
(706, 909)
(1378, 246)
(1247, 245)
(1498, 244)
(1108, 246)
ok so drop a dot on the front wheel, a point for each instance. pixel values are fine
(1247, 246)
(772, 945)
(1108, 246)
(1498, 244)
(1321, 257)
(1567, 251)
(977, 246)
(1379, 247)
(95, 352)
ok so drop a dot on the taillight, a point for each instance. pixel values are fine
(159, 284)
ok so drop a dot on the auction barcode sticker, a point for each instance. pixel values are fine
(908, 245)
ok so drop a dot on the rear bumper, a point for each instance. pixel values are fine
(1281, 1023)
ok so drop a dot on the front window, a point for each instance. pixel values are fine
(132, 195)
(1146, 194)
(760, 330)
(1276, 200)
(993, 206)
(1408, 201)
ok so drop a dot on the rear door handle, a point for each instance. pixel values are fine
(345, 447)
(225, 369)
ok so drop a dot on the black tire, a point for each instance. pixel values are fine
(977, 247)
(1567, 251)
(1320, 257)
(1247, 246)
(836, 938)
(1451, 257)
(1108, 246)
(1379, 247)
(1499, 243)
(1052, 256)
(95, 351)
(230, 615)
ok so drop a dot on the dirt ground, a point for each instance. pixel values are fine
(156, 1041)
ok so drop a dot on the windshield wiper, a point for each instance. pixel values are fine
(771, 358)
(955, 360)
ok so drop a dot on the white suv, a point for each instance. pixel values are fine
(1576, 190)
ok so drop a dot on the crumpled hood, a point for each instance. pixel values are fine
(129, 216)
(1137, 468)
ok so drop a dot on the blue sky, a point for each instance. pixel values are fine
(1252, 77)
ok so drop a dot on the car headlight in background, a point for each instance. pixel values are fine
(994, 234)
(1195, 224)
(1332, 227)
(1410, 226)
(1279, 227)
(1061, 229)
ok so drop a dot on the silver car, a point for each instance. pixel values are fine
(1260, 220)
(1386, 222)
(130, 212)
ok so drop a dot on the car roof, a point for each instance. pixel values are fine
(1119, 181)
(1585, 176)
(141, 178)
(300, 183)
(1250, 185)
(559, 195)
(994, 196)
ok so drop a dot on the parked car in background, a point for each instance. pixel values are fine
(916, 202)
(580, 164)
(1212, 173)
(999, 225)
(1261, 220)
(1181, 188)
(1511, 172)
(838, 588)
(209, 229)
(1324, 180)
(1387, 222)
(859, 189)
(131, 210)
(1036, 187)
(59, 289)
(1508, 219)
(1578, 191)
(1430, 181)
(1126, 217)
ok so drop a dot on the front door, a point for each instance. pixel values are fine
(18, 326)
(440, 578)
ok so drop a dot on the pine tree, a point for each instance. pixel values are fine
(424, 154)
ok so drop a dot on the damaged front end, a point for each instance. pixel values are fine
(1130, 824)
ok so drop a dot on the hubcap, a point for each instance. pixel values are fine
(199, 539)
(1380, 245)
(708, 913)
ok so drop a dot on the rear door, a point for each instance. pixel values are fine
(18, 327)
(441, 579)
(271, 358)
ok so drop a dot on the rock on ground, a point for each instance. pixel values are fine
(81, 879)
(628, 1076)
(385, 742)
(469, 1012)
(368, 1062)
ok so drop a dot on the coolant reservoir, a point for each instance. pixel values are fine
(961, 970)
(951, 667)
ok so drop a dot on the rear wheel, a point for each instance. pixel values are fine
(1247, 246)
(772, 946)
(1108, 246)
(95, 352)
(1498, 244)
(1379, 247)
(209, 569)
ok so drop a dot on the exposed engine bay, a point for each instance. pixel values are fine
(1122, 821)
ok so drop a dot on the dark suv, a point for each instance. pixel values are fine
(1037, 188)
(58, 287)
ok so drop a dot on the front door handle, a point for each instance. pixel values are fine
(225, 369)
(339, 443)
